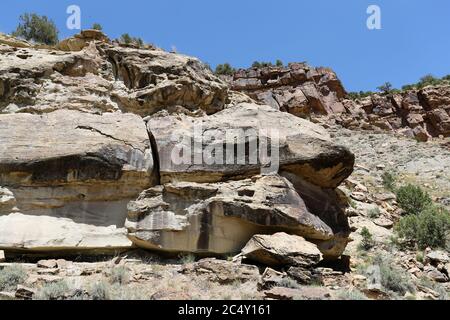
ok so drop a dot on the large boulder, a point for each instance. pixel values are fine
(221, 217)
(281, 249)
(91, 74)
(75, 165)
(152, 80)
(219, 147)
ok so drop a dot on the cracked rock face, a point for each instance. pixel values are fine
(298, 89)
(98, 77)
(221, 217)
(75, 165)
(76, 152)
(303, 148)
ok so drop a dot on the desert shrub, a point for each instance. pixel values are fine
(389, 180)
(261, 64)
(374, 213)
(37, 28)
(413, 199)
(225, 69)
(119, 275)
(129, 40)
(428, 80)
(385, 87)
(420, 257)
(288, 283)
(438, 288)
(97, 26)
(351, 295)
(391, 278)
(427, 229)
(367, 241)
(279, 63)
(186, 258)
(359, 95)
(100, 291)
(53, 291)
(11, 276)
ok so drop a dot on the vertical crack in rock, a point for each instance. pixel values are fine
(156, 161)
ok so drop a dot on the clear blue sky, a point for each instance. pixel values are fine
(414, 40)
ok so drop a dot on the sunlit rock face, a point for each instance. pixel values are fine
(68, 164)
(87, 151)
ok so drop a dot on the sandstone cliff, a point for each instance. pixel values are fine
(89, 129)
(317, 93)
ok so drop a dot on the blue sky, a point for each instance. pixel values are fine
(413, 41)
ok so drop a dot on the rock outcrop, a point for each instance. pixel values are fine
(297, 88)
(420, 114)
(90, 124)
(221, 217)
(43, 234)
(94, 75)
(68, 164)
(318, 94)
(230, 145)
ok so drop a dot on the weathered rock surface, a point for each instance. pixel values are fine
(218, 147)
(71, 151)
(75, 165)
(309, 92)
(19, 232)
(80, 41)
(220, 217)
(93, 75)
(422, 113)
(223, 272)
(153, 80)
(297, 88)
(282, 249)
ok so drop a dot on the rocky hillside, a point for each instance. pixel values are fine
(306, 92)
(200, 185)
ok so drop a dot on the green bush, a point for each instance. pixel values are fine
(279, 63)
(100, 291)
(428, 80)
(37, 28)
(187, 258)
(389, 180)
(391, 278)
(129, 40)
(412, 199)
(367, 241)
(288, 283)
(359, 95)
(261, 64)
(351, 295)
(53, 291)
(374, 213)
(386, 88)
(427, 229)
(225, 69)
(97, 26)
(119, 275)
(11, 276)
